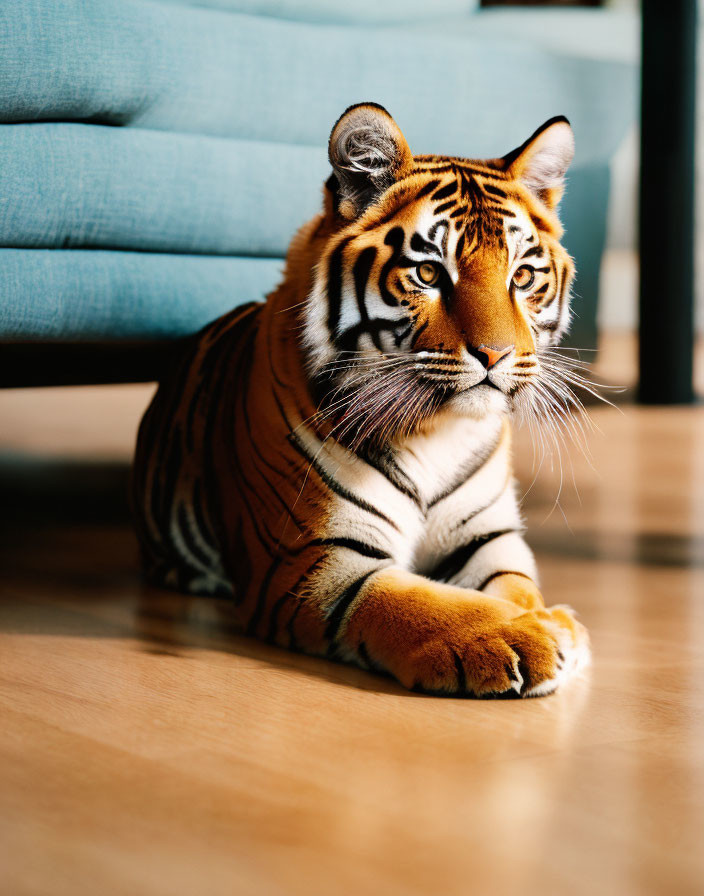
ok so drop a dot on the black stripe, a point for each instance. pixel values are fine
(405, 261)
(559, 290)
(372, 665)
(534, 250)
(363, 654)
(458, 559)
(481, 509)
(280, 406)
(439, 168)
(444, 192)
(428, 188)
(273, 355)
(502, 572)
(335, 486)
(461, 676)
(335, 285)
(444, 207)
(474, 466)
(256, 520)
(419, 244)
(255, 454)
(242, 565)
(393, 238)
(256, 616)
(293, 643)
(418, 333)
(171, 467)
(292, 593)
(500, 212)
(361, 547)
(402, 334)
(360, 272)
(342, 604)
(555, 324)
(199, 513)
(495, 191)
(193, 406)
(215, 368)
(255, 457)
(348, 340)
(385, 464)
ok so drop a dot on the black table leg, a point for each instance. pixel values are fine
(667, 201)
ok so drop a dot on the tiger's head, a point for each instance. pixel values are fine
(439, 281)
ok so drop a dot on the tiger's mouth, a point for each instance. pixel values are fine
(371, 402)
(485, 382)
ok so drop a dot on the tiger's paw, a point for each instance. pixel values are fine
(529, 656)
(551, 647)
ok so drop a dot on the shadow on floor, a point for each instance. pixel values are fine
(53, 490)
(71, 568)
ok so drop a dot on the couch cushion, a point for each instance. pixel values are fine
(98, 295)
(77, 185)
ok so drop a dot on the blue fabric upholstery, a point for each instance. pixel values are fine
(77, 185)
(193, 130)
(94, 295)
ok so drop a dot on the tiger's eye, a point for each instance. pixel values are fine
(428, 273)
(524, 277)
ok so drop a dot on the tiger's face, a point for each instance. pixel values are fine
(441, 281)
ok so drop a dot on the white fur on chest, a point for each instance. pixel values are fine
(439, 460)
(435, 459)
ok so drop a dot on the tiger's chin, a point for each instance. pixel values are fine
(368, 419)
(482, 400)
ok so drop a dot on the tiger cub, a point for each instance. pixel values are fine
(338, 457)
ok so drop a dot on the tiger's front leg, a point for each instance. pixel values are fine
(441, 638)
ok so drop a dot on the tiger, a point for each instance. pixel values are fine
(337, 458)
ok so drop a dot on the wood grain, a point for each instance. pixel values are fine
(148, 748)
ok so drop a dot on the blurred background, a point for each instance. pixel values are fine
(156, 156)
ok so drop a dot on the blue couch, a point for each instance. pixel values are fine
(156, 157)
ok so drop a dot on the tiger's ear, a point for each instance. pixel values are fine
(542, 161)
(368, 153)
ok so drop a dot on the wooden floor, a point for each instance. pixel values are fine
(147, 748)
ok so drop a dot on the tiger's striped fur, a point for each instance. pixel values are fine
(338, 458)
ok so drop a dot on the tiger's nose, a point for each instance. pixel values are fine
(489, 356)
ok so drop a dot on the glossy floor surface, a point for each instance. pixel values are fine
(147, 748)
